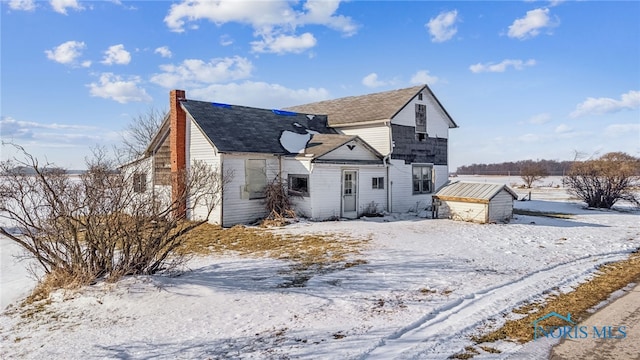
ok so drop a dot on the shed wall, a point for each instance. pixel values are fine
(501, 207)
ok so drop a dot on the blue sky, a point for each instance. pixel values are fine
(524, 80)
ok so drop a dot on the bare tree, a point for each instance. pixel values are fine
(140, 132)
(531, 172)
(102, 224)
(601, 182)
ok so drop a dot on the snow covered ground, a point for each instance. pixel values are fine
(426, 287)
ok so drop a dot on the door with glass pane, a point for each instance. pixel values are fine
(349, 194)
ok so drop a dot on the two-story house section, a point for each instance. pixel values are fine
(410, 127)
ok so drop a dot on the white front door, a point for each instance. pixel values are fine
(350, 194)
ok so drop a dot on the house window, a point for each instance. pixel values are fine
(377, 183)
(255, 178)
(421, 118)
(422, 179)
(420, 96)
(139, 182)
(299, 185)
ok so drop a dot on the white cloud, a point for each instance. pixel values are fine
(116, 54)
(284, 43)
(530, 25)
(617, 130)
(371, 80)
(540, 119)
(423, 77)
(24, 5)
(67, 52)
(61, 6)
(86, 64)
(274, 22)
(502, 66)
(163, 51)
(197, 71)
(226, 40)
(562, 128)
(258, 94)
(528, 138)
(628, 101)
(113, 87)
(442, 27)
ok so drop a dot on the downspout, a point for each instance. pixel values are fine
(386, 163)
(222, 178)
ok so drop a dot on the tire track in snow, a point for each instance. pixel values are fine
(452, 320)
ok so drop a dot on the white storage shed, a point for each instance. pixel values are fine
(475, 202)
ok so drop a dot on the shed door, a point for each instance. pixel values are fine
(349, 194)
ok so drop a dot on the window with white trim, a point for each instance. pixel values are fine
(377, 183)
(422, 179)
(299, 185)
(255, 172)
(139, 182)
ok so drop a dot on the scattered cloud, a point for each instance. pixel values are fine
(66, 53)
(562, 128)
(163, 51)
(529, 138)
(29, 130)
(113, 87)
(226, 40)
(258, 94)
(284, 43)
(531, 25)
(540, 119)
(599, 106)
(192, 71)
(617, 130)
(502, 66)
(274, 22)
(372, 81)
(423, 77)
(442, 27)
(116, 54)
(24, 5)
(61, 6)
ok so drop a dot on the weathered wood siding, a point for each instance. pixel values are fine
(410, 147)
(464, 211)
(376, 135)
(198, 148)
(162, 164)
(501, 207)
(235, 209)
(357, 152)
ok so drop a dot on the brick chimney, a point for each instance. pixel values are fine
(177, 141)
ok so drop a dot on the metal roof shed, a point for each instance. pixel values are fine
(475, 202)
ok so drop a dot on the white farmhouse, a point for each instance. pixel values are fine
(346, 156)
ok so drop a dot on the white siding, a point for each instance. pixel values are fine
(464, 211)
(441, 173)
(302, 205)
(402, 197)
(358, 152)
(501, 207)
(235, 209)
(325, 193)
(199, 148)
(376, 135)
(437, 123)
(367, 195)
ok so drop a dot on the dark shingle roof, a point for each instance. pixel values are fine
(234, 128)
(363, 108)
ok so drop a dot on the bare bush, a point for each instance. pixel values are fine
(603, 181)
(98, 225)
(278, 203)
(532, 172)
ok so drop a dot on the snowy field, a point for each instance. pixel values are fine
(427, 286)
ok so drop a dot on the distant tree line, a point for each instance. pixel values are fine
(552, 167)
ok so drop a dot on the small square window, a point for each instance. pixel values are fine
(299, 185)
(377, 183)
(420, 96)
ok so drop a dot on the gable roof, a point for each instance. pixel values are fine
(472, 192)
(364, 108)
(233, 128)
(322, 144)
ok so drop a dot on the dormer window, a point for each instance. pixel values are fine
(421, 118)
